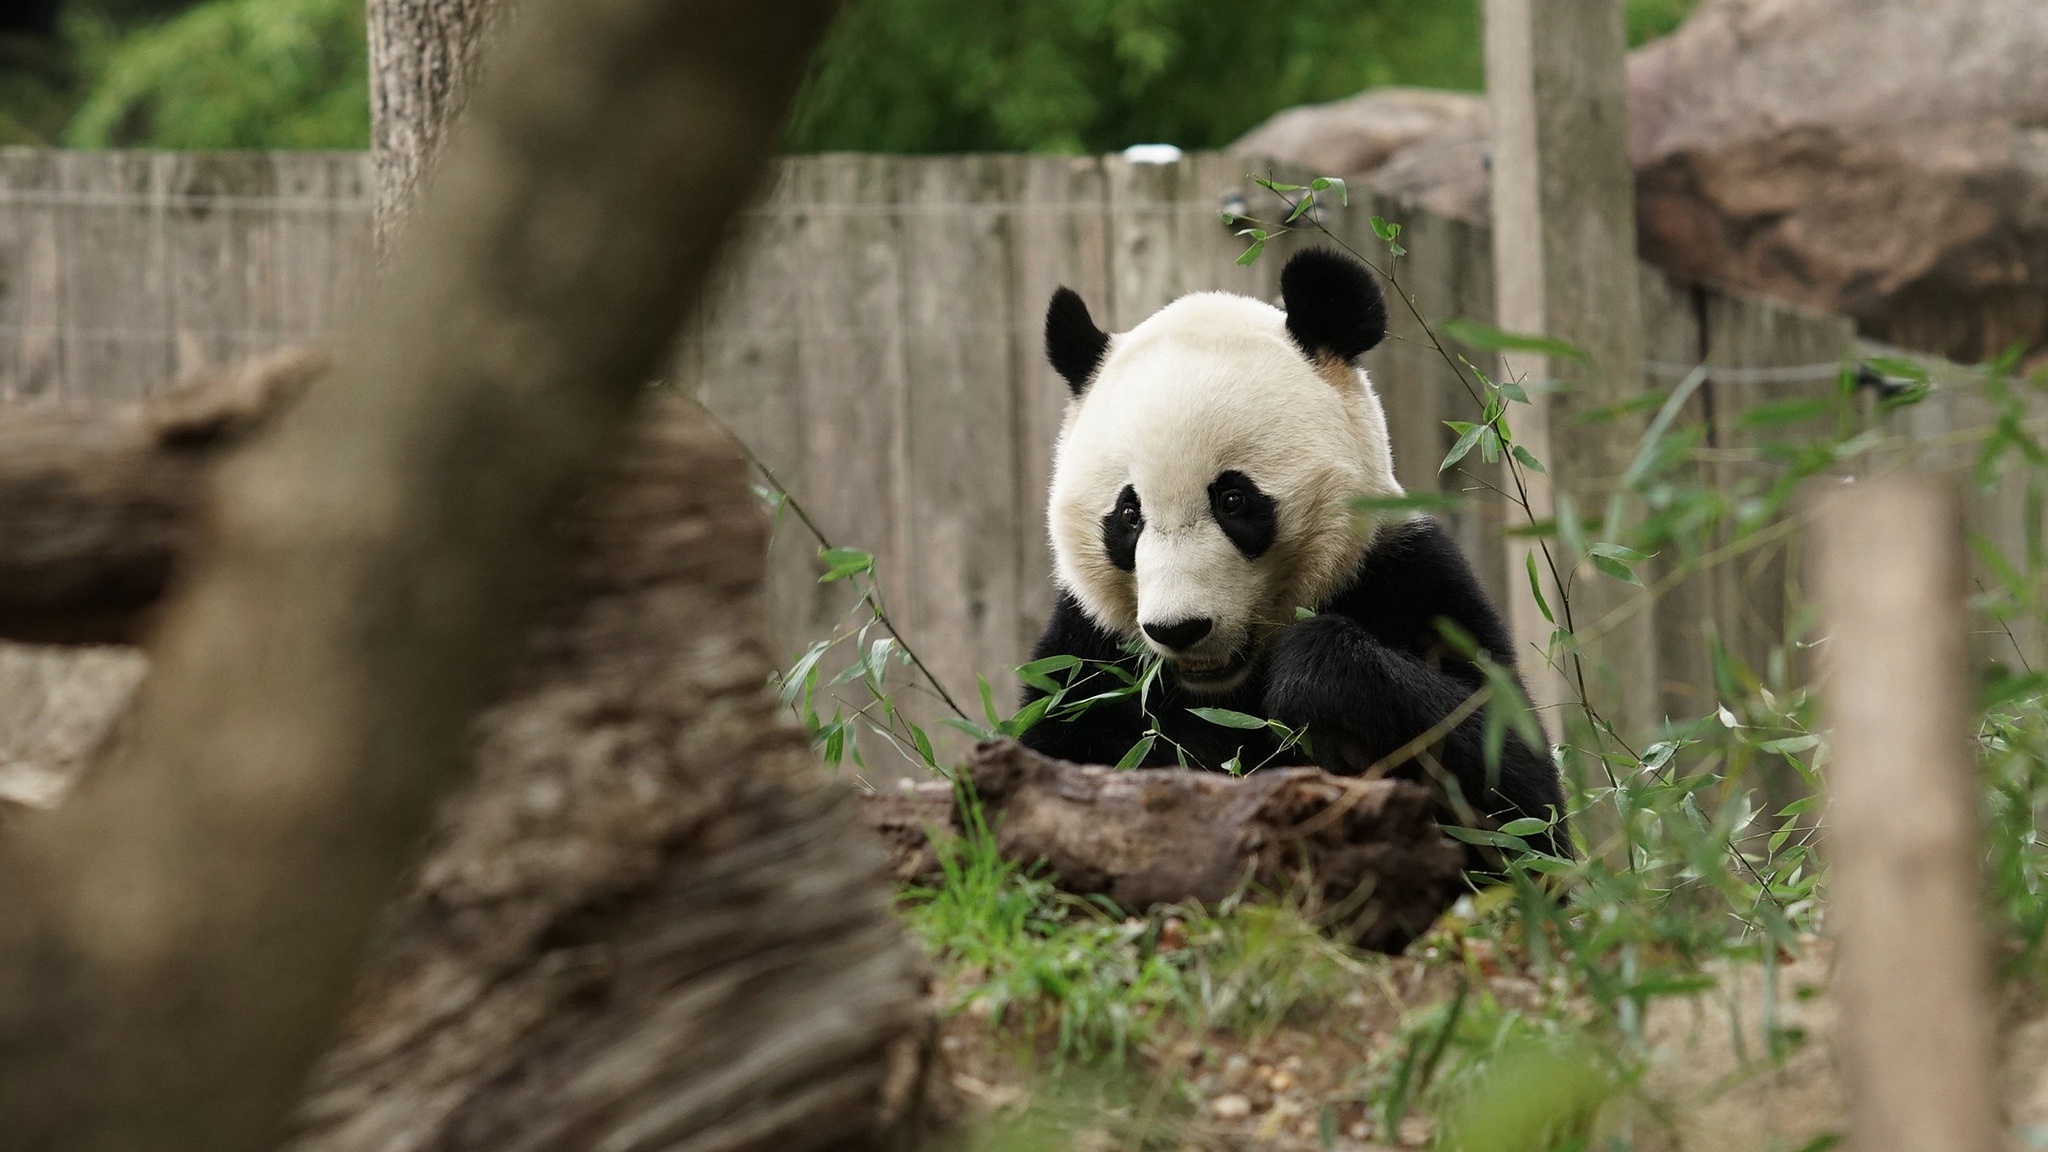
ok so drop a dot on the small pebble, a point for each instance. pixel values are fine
(1280, 1081)
(1173, 934)
(1236, 1067)
(1231, 1107)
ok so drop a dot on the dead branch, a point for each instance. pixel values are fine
(96, 506)
(1367, 851)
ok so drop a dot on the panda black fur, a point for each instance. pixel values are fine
(1203, 487)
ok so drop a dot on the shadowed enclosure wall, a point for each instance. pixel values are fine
(877, 343)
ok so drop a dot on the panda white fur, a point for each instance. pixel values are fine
(1203, 488)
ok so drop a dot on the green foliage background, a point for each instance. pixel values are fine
(896, 75)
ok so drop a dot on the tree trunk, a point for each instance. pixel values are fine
(645, 923)
(423, 62)
(180, 937)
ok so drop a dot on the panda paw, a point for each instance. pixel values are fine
(1313, 671)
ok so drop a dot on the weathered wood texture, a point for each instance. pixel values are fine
(98, 507)
(1902, 821)
(645, 863)
(424, 55)
(1564, 244)
(1367, 853)
(876, 341)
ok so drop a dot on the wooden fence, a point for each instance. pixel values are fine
(876, 342)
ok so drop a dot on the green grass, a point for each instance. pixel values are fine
(1081, 981)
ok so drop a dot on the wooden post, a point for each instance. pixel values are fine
(1564, 249)
(1902, 823)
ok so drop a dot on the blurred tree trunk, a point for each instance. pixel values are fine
(423, 61)
(179, 938)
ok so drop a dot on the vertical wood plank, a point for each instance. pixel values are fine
(1564, 241)
(31, 348)
(113, 296)
(1144, 269)
(218, 216)
(750, 367)
(1912, 969)
(1060, 236)
(1672, 349)
(964, 538)
(1754, 351)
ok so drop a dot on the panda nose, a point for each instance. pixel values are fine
(1182, 634)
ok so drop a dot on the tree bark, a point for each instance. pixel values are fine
(645, 923)
(1368, 853)
(97, 506)
(423, 63)
(180, 936)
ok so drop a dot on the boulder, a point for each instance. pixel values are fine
(1883, 159)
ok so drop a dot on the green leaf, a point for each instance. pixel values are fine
(1251, 254)
(1789, 744)
(1026, 716)
(1487, 338)
(1895, 366)
(1227, 718)
(1617, 569)
(1526, 826)
(1038, 672)
(923, 744)
(1301, 613)
(1410, 502)
(1528, 459)
(1489, 445)
(1654, 434)
(1138, 752)
(969, 727)
(801, 673)
(988, 704)
(1462, 447)
(1784, 412)
(1621, 552)
(1536, 587)
(1384, 230)
(841, 563)
(1332, 184)
(1273, 186)
(1482, 836)
(1301, 206)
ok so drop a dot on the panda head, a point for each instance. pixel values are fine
(1205, 478)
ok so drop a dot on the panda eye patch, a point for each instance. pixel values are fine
(1248, 516)
(1120, 528)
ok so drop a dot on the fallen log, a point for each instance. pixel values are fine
(97, 506)
(1368, 852)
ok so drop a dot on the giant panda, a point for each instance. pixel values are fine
(1204, 488)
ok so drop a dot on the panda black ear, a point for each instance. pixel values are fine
(1072, 341)
(1334, 306)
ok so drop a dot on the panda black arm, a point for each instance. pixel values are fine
(1362, 701)
(1371, 673)
(1108, 729)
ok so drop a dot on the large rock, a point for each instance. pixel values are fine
(1886, 159)
(1426, 146)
